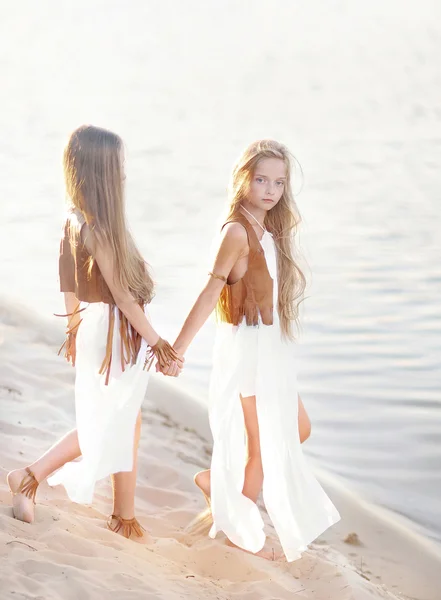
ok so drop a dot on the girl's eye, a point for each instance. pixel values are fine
(279, 183)
(259, 179)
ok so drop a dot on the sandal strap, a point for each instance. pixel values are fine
(28, 486)
(127, 527)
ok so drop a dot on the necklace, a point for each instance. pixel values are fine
(251, 215)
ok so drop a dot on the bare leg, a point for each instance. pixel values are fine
(63, 451)
(66, 450)
(124, 483)
(124, 486)
(304, 423)
(202, 479)
(253, 469)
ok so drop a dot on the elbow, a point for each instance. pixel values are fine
(210, 298)
(124, 302)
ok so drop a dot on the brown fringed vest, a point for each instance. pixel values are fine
(89, 285)
(252, 295)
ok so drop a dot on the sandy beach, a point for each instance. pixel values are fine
(69, 554)
(353, 89)
(188, 87)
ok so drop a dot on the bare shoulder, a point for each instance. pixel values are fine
(235, 234)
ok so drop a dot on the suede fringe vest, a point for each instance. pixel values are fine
(252, 296)
(80, 274)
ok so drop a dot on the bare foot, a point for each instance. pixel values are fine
(129, 529)
(201, 524)
(202, 480)
(266, 554)
(23, 505)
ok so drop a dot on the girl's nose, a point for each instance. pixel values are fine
(270, 188)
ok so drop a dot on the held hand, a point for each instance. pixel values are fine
(169, 362)
(70, 348)
(173, 368)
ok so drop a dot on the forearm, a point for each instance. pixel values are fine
(233, 246)
(200, 312)
(72, 303)
(137, 319)
(124, 300)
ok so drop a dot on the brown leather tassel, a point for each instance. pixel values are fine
(126, 526)
(71, 332)
(163, 352)
(131, 352)
(124, 337)
(251, 314)
(137, 339)
(72, 314)
(28, 486)
(133, 343)
(130, 342)
(107, 362)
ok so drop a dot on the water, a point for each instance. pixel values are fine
(353, 89)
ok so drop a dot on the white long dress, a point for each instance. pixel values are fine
(105, 414)
(256, 361)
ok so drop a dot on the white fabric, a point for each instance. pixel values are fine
(257, 360)
(105, 415)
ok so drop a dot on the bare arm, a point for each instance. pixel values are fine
(71, 302)
(234, 245)
(123, 298)
(73, 320)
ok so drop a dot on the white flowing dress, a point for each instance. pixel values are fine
(105, 414)
(257, 361)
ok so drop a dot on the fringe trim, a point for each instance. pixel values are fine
(130, 342)
(226, 312)
(28, 486)
(69, 344)
(163, 352)
(127, 527)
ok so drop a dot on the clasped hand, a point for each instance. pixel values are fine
(173, 368)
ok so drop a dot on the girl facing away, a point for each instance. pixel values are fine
(110, 339)
(256, 286)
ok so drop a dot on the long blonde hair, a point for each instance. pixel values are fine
(94, 177)
(281, 221)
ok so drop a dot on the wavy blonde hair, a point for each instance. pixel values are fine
(282, 221)
(94, 177)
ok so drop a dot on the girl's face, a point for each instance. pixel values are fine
(267, 183)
